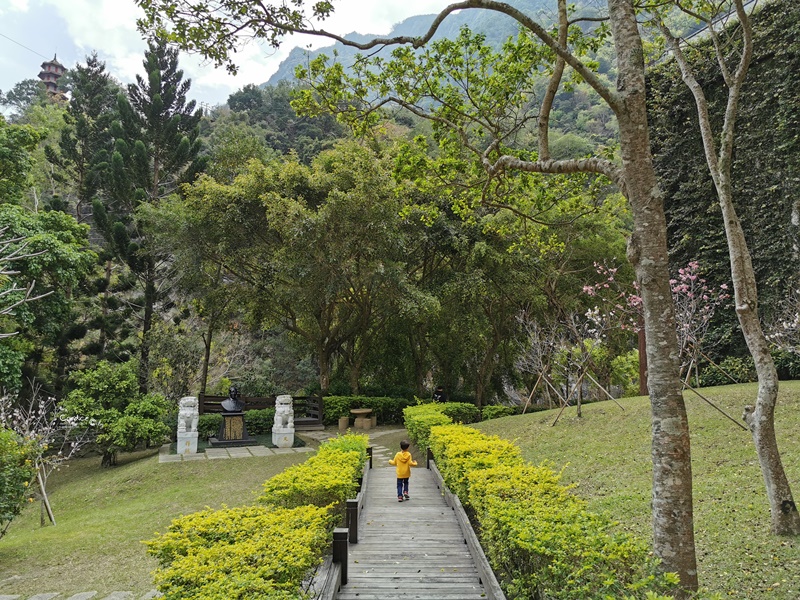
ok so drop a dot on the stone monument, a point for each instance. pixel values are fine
(283, 427)
(188, 415)
(233, 431)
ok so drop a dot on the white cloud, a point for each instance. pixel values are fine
(14, 6)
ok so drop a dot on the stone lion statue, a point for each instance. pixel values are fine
(188, 414)
(284, 415)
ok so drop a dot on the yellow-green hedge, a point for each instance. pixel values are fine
(240, 553)
(460, 450)
(326, 479)
(263, 551)
(419, 419)
(539, 537)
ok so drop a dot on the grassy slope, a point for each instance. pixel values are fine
(607, 453)
(103, 514)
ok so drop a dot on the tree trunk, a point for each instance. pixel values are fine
(761, 419)
(204, 368)
(323, 358)
(109, 458)
(673, 521)
(106, 296)
(147, 325)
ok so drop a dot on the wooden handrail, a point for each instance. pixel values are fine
(330, 578)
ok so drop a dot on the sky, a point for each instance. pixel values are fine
(32, 31)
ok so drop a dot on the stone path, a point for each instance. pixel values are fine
(380, 458)
(222, 453)
(379, 453)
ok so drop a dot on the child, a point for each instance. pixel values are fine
(404, 462)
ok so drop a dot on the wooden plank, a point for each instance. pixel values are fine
(413, 549)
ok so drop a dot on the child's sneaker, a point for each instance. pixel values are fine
(406, 497)
(399, 498)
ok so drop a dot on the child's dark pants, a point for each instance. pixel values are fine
(402, 486)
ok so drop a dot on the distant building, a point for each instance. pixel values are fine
(51, 71)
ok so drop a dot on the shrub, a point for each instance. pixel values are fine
(461, 412)
(625, 373)
(240, 553)
(741, 369)
(327, 479)
(108, 395)
(388, 410)
(420, 419)
(460, 450)
(495, 411)
(787, 363)
(539, 538)
(208, 425)
(259, 422)
(543, 543)
(16, 473)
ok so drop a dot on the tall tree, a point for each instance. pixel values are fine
(17, 142)
(23, 95)
(213, 29)
(86, 144)
(156, 148)
(734, 57)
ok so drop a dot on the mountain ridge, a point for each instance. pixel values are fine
(496, 26)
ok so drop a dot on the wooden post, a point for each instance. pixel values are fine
(428, 458)
(340, 550)
(533, 391)
(352, 520)
(369, 453)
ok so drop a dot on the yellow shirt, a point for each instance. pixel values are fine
(404, 462)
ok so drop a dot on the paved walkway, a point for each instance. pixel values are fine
(379, 453)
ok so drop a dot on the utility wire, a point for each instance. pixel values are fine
(23, 45)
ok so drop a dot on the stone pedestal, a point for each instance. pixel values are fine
(232, 432)
(282, 437)
(187, 443)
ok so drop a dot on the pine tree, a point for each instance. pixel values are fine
(156, 148)
(86, 143)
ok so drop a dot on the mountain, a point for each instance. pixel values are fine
(497, 27)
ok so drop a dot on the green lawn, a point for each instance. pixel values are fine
(607, 454)
(103, 514)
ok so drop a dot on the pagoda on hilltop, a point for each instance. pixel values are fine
(51, 71)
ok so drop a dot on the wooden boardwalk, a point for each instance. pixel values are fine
(412, 549)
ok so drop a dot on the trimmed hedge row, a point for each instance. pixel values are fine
(264, 551)
(327, 479)
(495, 411)
(419, 419)
(540, 539)
(388, 410)
(240, 553)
